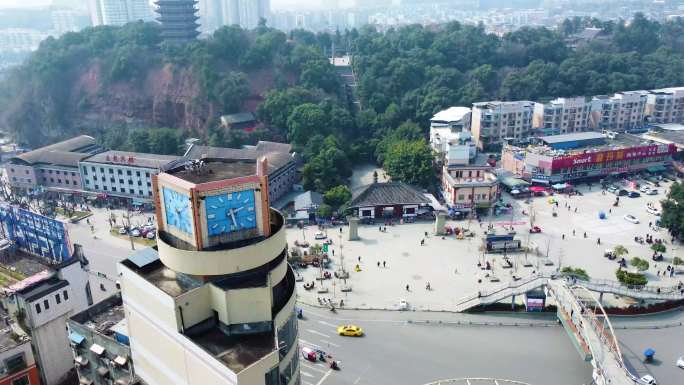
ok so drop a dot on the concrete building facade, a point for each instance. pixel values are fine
(99, 341)
(45, 302)
(563, 115)
(118, 12)
(665, 105)
(51, 167)
(620, 112)
(494, 122)
(17, 363)
(214, 303)
(123, 174)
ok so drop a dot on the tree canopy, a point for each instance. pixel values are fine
(673, 210)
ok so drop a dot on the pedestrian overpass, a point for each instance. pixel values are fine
(582, 315)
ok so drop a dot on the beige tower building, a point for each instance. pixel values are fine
(215, 302)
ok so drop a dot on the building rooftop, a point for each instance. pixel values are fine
(236, 351)
(498, 104)
(103, 316)
(240, 117)
(676, 137)
(133, 159)
(621, 141)
(42, 288)
(451, 114)
(277, 154)
(571, 137)
(215, 169)
(147, 264)
(386, 194)
(308, 200)
(65, 153)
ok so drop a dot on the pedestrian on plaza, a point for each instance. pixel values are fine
(407, 288)
(426, 234)
(649, 224)
(573, 232)
(427, 286)
(585, 234)
(384, 263)
(340, 229)
(333, 252)
(672, 273)
(422, 242)
(563, 236)
(378, 264)
(380, 229)
(598, 241)
(568, 208)
(575, 209)
(658, 273)
(610, 211)
(359, 258)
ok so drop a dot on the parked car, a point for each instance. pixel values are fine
(621, 192)
(634, 194)
(122, 231)
(648, 380)
(653, 210)
(319, 235)
(403, 304)
(135, 232)
(631, 218)
(150, 235)
(644, 189)
(535, 230)
(612, 189)
(680, 362)
(652, 192)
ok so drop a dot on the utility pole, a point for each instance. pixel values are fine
(127, 216)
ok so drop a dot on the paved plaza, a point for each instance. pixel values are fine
(450, 265)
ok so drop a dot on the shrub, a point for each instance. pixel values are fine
(677, 261)
(640, 264)
(632, 279)
(576, 272)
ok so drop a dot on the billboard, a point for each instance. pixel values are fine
(613, 155)
(36, 234)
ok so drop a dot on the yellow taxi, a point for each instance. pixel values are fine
(350, 331)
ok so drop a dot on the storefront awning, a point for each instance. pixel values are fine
(537, 189)
(76, 338)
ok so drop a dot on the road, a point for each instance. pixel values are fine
(396, 352)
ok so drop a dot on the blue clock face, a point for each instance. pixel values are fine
(230, 212)
(177, 208)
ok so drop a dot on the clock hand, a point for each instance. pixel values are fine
(239, 208)
(232, 215)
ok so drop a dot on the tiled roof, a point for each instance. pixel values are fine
(387, 194)
(276, 153)
(132, 159)
(55, 153)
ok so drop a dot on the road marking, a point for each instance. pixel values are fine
(308, 366)
(327, 324)
(317, 333)
(330, 343)
(324, 377)
(306, 383)
(306, 374)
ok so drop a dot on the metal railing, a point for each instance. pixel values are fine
(496, 294)
(646, 292)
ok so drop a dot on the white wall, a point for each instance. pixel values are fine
(52, 347)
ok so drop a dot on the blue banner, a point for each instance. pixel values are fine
(36, 234)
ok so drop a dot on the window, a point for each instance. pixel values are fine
(139, 183)
(66, 181)
(21, 381)
(103, 179)
(92, 168)
(87, 181)
(130, 181)
(57, 172)
(52, 180)
(59, 181)
(128, 172)
(147, 174)
(105, 188)
(15, 363)
(140, 192)
(112, 180)
(50, 171)
(27, 172)
(58, 299)
(120, 181)
(102, 170)
(38, 308)
(85, 170)
(46, 303)
(137, 173)
(131, 191)
(120, 172)
(114, 189)
(111, 171)
(65, 294)
(97, 187)
(149, 184)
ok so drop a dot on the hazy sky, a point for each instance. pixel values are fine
(274, 3)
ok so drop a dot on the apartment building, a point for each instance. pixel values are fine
(101, 348)
(45, 301)
(119, 12)
(665, 105)
(446, 126)
(620, 112)
(123, 174)
(562, 115)
(214, 302)
(17, 364)
(494, 122)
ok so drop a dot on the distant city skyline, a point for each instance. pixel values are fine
(276, 4)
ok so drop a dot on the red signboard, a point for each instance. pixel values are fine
(613, 155)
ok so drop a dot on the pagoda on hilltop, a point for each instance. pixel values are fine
(178, 19)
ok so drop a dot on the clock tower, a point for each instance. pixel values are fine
(198, 210)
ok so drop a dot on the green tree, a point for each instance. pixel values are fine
(231, 91)
(306, 120)
(658, 248)
(139, 141)
(620, 250)
(673, 210)
(337, 196)
(631, 279)
(164, 141)
(324, 211)
(410, 162)
(640, 264)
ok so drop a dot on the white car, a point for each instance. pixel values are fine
(319, 235)
(631, 218)
(653, 210)
(150, 235)
(135, 232)
(403, 304)
(652, 192)
(122, 230)
(645, 189)
(680, 362)
(648, 380)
